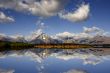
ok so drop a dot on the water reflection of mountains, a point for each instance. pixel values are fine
(89, 56)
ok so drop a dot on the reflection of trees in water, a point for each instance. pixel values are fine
(87, 55)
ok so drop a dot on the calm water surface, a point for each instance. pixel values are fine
(55, 61)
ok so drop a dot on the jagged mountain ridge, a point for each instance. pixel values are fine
(12, 39)
(44, 38)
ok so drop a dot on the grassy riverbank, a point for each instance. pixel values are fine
(18, 45)
(63, 46)
(15, 45)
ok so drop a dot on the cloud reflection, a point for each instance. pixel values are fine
(89, 56)
(76, 71)
(6, 71)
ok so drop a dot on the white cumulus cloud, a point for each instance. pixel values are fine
(5, 19)
(94, 30)
(86, 33)
(73, 35)
(81, 14)
(35, 7)
(65, 34)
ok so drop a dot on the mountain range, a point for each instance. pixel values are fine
(44, 38)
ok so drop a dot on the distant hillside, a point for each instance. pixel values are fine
(101, 40)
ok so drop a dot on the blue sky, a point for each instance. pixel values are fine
(25, 22)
